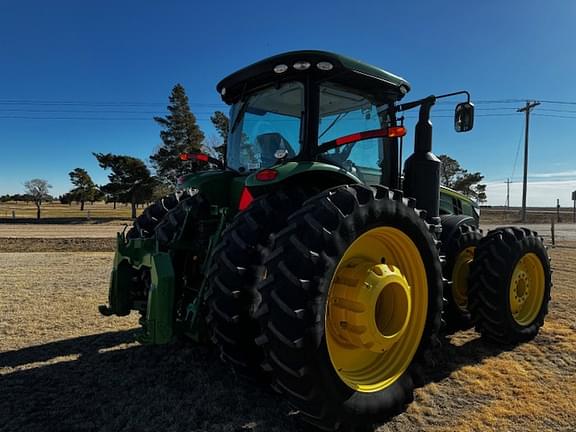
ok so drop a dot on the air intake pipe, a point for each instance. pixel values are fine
(422, 168)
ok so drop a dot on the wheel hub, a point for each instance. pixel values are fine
(460, 277)
(526, 289)
(371, 305)
(376, 309)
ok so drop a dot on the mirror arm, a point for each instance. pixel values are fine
(454, 94)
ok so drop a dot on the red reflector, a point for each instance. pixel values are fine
(245, 199)
(266, 175)
(194, 156)
(396, 131)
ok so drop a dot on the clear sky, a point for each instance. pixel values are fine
(78, 77)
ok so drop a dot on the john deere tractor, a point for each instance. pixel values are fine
(311, 258)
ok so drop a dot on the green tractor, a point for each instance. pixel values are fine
(310, 260)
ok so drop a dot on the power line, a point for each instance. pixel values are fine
(59, 111)
(86, 118)
(96, 103)
(555, 115)
(517, 153)
(557, 102)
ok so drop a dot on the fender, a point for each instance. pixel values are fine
(451, 223)
(319, 174)
(219, 187)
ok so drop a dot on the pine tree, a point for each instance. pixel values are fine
(221, 123)
(457, 178)
(130, 179)
(85, 189)
(180, 133)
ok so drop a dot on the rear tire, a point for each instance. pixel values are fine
(299, 312)
(510, 283)
(145, 224)
(233, 294)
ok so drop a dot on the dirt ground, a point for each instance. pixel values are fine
(59, 237)
(63, 367)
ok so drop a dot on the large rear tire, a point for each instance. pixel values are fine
(510, 283)
(233, 294)
(352, 301)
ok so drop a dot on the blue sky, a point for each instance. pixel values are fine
(129, 54)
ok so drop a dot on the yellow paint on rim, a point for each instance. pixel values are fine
(376, 309)
(460, 273)
(527, 286)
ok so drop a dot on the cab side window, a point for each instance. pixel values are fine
(457, 206)
(467, 209)
(446, 204)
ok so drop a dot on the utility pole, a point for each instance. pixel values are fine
(508, 194)
(529, 106)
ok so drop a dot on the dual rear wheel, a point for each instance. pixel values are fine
(348, 303)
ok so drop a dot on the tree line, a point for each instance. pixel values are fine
(131, 181)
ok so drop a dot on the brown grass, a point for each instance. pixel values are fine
(65, 367)
(57, 210)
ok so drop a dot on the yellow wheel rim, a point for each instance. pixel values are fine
(460, 274)
(527, 289)
(376, 309)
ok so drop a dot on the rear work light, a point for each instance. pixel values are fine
(245, 199)
(266, 175)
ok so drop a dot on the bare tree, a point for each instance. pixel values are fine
(38, 190)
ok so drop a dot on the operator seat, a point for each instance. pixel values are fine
(269, 143)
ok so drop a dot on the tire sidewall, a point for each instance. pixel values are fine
(525, 246)
(392, 399)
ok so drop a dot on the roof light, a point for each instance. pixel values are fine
(281, 68)
(325, 66)
(301, 65)
(245, 199)
(266, 175)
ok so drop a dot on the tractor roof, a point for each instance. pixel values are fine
(345, 69)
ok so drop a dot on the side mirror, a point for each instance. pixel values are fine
(464, 117)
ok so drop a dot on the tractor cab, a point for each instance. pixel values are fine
(288, 107)
(306, 112)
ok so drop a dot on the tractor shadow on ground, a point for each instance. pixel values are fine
(107, 382)
(453, 356)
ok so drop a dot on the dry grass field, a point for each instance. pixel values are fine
(57, 210)
(63, 367)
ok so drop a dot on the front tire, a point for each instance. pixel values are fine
(510, 283)
(351, 302)
(459, 251)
